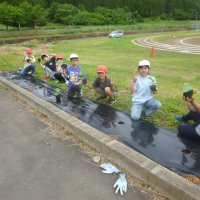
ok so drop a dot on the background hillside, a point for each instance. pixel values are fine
(32, 13)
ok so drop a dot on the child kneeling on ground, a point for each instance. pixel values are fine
(29, 66)
(104, 86)
(142, 88)
(74, 74)
(49, 65)
(50, 68)
(190, 130)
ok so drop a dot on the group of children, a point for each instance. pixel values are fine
(72, 75)
(142, 87)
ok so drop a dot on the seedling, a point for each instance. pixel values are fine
(153, 86)
(187, 90)
(84, 79)
(57, 95)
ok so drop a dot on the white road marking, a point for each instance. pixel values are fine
(184, 47)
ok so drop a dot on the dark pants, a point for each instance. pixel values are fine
(60, 77)
(73, 90)
(189, 130)
(192, 115)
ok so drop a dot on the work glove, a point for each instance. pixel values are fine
(109, 168)
(121, 184)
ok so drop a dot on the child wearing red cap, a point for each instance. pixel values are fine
(29, 66)
(104, 86)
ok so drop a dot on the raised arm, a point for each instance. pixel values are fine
(41, 65)
(195, 105)
(132, 89)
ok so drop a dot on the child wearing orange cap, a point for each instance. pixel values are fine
(29, 66)
(104, 86)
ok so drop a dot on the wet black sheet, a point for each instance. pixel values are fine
(178, 154)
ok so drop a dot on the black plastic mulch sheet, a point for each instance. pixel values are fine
(178, 154)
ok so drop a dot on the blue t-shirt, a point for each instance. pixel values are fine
(74, 74)
(142, 86)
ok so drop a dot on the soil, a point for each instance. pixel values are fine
(176, 41)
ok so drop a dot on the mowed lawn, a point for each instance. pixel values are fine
(121, 57)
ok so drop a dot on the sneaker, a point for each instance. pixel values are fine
(180, 119)
(112, 101)
(101, 98)
(78, 95)
(46, 78)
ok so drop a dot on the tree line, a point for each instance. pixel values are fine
(94, 12)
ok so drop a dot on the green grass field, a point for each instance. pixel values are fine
(59, 29)
(121, 56)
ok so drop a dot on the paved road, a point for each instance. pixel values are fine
(37, 166)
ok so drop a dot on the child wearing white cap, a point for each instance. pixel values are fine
(142, 88)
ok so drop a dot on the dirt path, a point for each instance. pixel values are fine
(190, 45)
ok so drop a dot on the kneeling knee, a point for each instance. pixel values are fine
(108, 90)
(134, 117)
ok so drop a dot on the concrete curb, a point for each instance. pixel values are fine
(166, 181)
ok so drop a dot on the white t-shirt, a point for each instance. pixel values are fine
(142, 89)
(26, 64)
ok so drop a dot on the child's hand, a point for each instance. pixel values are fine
(188, 99)
(112, 82)
(154, 92)
(135, 78)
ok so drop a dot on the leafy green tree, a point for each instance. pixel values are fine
(19, 17)
(38, 16)
(98, 12)
(180, 14)
(97, 19)
(12, 2)
(52, 11)
(64, 11)
(27, 10)
(34, 15)
(82, 18)
(6, 14)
